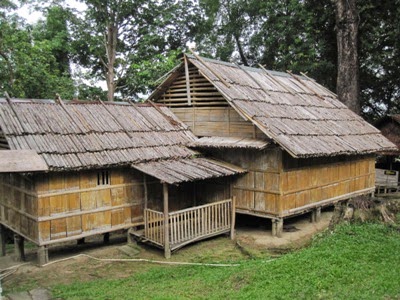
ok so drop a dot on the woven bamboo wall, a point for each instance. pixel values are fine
(18, 204)
(216, 121)
(258, 190)
(307, 185)
(269, 189)
(56, 207)
(71, 205)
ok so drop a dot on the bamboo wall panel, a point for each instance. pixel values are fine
(317, 183)
(52, 207)
(18, 204)
(216, 121)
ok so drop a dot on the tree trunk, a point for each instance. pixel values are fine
(111, 49)
(347, 20)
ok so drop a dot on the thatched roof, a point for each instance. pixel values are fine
(303, 117)
(90, 135)
(187, 169)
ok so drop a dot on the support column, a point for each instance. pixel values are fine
(277, 227)
(233, 218)
(3, 239)
(315, 215)
(167, 248)
(129, 237)
(19, 250)
(106, 238)
(43, 255)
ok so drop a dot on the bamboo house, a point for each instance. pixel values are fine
(76, 169)
(303, 149)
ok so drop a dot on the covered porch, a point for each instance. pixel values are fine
(200, 210)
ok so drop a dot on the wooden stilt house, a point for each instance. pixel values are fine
(75, 169)
(388, 165)
(303, 149)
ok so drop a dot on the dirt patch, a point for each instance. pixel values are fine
(254, 239)
(297, 233)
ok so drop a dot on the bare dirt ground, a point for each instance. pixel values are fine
(253, 239)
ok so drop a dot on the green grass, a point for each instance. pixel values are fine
(353, 262)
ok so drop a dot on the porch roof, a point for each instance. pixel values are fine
(187, 169)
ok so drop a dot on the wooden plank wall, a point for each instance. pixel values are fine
(258, 190)
(18, 204)
(74, 204)
(307, 185)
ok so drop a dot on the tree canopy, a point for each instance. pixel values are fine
(130, 44)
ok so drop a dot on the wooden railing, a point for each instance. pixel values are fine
(190, 224)
(153, 226)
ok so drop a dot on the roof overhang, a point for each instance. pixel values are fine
(21, 161)
(230, 142)
(187, 169)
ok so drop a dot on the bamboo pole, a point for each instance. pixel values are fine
(167, 248)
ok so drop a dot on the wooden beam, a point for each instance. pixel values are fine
(189, 101)
(167, 248)
(233, 218)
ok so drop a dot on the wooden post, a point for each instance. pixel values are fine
(106, 238)
(146, 196)
(3, 239)
(233, 218)
(315, 215)
(318, 214)
(43, 255)
(167, 249)
(277, 227)
(19, 250)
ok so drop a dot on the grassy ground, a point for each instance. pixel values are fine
(353, 262)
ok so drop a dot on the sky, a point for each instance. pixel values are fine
(32, 16)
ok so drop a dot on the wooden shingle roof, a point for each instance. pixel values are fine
(303, 117)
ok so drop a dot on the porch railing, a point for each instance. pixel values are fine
(190, 224)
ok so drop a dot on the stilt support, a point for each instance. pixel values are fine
(106, 238)
(43, 255)
(19, 250)
(3, 239)
(167, 248)
(277, 227)
(130, 238)
(315, 215)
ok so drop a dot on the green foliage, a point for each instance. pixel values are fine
(146, 32)
(353, 262)
(379, 57)
(28, 65)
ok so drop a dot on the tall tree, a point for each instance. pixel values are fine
(115, 35)
(348, 86)
(28, 67)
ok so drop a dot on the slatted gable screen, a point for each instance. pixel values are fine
(202, 92)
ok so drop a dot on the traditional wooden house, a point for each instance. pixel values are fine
(303, 148)
(388, 165)
(71, 170)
